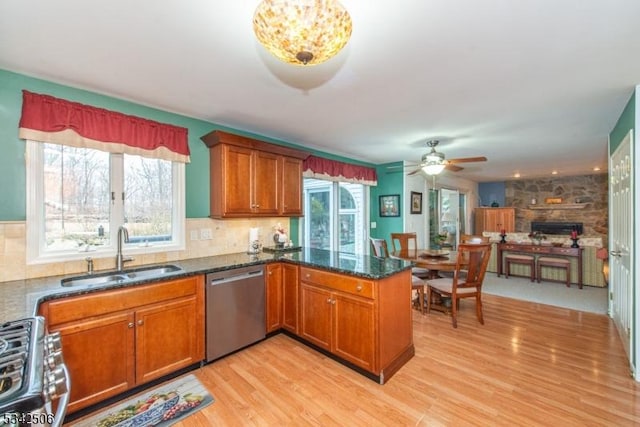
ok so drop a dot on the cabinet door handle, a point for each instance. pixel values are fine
(140, 322)
(333, 301)
(328, 300)
(359, 288)
(130, 325)
(307, 275)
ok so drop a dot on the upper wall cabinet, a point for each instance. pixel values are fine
(253, 178)
(495, 220)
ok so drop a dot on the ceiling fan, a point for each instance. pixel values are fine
(433, 162)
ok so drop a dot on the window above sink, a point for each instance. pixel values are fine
(78, 197)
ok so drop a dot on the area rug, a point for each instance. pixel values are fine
(589, 298)
(161, 406)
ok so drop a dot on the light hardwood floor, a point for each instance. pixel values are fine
(529, 365)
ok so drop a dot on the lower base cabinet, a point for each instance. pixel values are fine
(282, 297)
(367, 323)
(118, 339)
(290, 279)
(339, 323)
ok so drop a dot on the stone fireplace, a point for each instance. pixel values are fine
(559, 228)
(584, 199)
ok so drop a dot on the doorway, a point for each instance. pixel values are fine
(447, 217)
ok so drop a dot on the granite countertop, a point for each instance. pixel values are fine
(21, 297)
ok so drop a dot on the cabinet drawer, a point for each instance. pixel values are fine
(99, 303)
(564, 251)
(339, 282)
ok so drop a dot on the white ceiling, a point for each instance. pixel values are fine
(533, 85)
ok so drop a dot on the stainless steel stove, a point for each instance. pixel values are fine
(33, 378)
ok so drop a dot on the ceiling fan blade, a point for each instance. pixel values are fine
(467, 160)
(453, 168)
(413, 172)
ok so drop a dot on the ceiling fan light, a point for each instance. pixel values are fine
(433, 168)
(303, 32)
(433, 157)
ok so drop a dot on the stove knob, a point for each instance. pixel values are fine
(54, 359)
(53, 342)
(55, 383)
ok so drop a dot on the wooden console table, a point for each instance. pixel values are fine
(541, 250)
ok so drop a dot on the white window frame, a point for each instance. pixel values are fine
(334, 217)
(35, 252)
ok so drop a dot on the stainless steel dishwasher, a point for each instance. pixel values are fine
(235, 310)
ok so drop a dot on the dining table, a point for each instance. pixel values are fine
(435, 261)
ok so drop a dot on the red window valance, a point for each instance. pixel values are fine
(321, 168)
(49, 119)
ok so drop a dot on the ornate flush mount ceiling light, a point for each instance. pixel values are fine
(303, 32)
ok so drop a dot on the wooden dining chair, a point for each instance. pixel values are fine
(470, 238)
(405, 241)
(471, 266)
(380, 249)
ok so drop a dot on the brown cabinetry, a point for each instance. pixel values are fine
(282, 297)
(118, 339)
(364, 322)
(495, 220)
(339, 323)
(273, 307)
(290, 279)
(253, 178)
(292, 186)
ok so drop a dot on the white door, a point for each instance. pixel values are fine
(621, 211)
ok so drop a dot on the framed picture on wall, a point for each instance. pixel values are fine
(390, 205)
(416, 202)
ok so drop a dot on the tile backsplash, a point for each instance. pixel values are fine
(227, 236)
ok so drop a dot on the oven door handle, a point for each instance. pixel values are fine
(63, 401)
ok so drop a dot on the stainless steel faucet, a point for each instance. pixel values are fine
(123, 235)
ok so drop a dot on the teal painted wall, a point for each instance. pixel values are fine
(12, 166)
(12, 162)
(388, 183)
(625, 122)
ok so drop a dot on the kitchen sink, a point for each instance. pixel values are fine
(93, 280)
(111, 278)
(145, 272)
